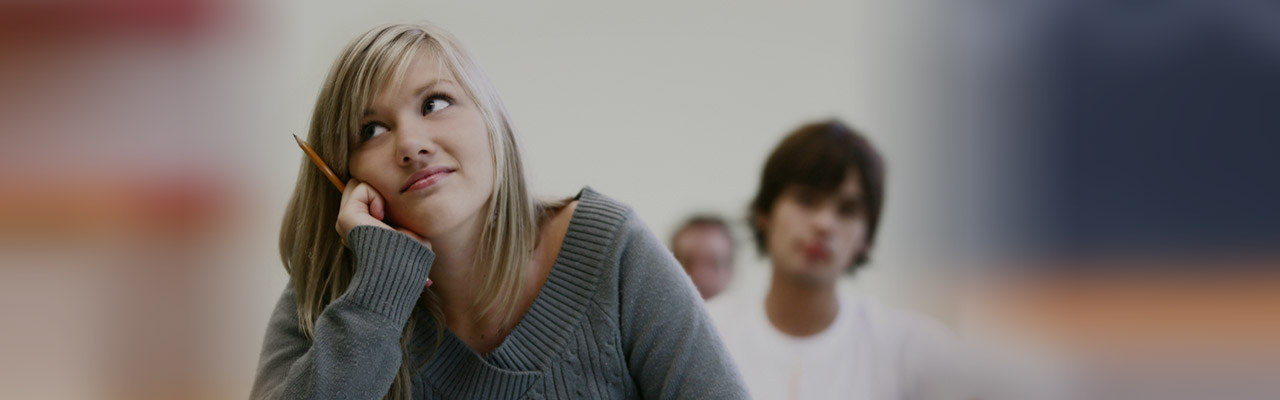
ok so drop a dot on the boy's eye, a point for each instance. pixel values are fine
(371, 130)
(805, 198)
(435, 103)
(850, 208)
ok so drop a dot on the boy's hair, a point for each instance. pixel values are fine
(818, 156)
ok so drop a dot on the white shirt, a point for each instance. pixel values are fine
(868, 352)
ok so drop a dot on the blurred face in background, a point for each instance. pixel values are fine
(706, 252)
(813, 236)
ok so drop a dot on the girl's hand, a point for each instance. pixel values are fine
(362, 205)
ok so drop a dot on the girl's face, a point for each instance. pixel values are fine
(423, 145)
(813, 237)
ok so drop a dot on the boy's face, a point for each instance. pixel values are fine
(813, 237)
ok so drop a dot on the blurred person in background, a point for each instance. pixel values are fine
(436, 189)
(704, 245)
(816, 215)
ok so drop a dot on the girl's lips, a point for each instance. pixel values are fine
(431, 175)
(428, 181)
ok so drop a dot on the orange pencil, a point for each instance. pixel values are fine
(315, 159)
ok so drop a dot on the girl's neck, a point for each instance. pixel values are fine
(484, 331)
(452, 270)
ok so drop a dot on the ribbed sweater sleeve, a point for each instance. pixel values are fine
(355, 352)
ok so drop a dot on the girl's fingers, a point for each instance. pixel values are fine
(377, 209)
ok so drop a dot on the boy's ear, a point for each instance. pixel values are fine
(859, 258)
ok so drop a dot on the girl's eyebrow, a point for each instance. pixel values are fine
(429, 85)
(421, 89)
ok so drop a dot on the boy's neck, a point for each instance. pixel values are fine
(800, 309)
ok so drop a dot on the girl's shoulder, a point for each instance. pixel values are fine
(607, 237)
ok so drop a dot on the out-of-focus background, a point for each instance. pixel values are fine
(1103, 166)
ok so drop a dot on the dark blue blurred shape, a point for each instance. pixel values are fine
(1160, 129)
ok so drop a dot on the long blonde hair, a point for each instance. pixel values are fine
(320, 267)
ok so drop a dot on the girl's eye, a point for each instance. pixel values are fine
(371, 130)
(435, 103)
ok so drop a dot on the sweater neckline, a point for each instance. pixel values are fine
(538, 338)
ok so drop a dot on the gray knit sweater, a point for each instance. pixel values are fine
(617, 318)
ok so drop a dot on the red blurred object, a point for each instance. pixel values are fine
(39, 19)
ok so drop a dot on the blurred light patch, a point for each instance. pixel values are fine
(122, 203)
(1105, 336)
